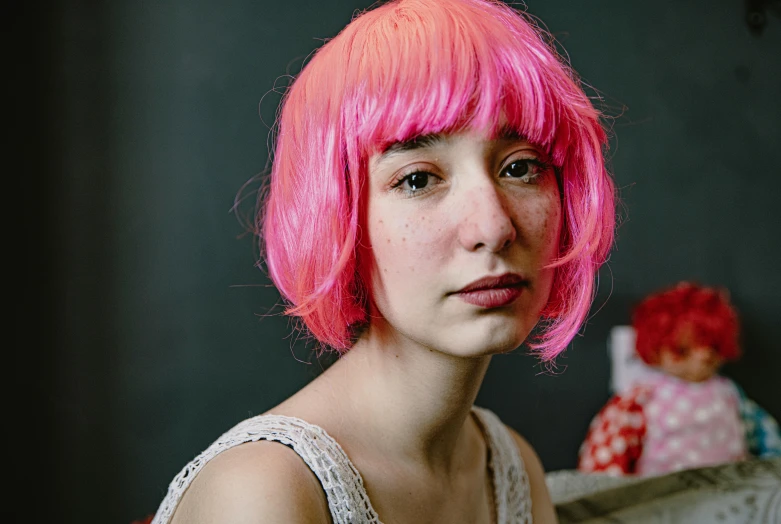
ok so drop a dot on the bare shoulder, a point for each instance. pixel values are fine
(542, 507)
(257, 482)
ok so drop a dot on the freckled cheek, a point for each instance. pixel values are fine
(404, 243)
(540, 222)
(553, 224)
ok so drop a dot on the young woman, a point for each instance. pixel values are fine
(438, 190)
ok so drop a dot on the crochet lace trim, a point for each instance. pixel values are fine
(348, 501)
(511, 483)
(343, 485)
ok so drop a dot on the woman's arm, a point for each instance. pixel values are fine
(254, 483)
(543, 511)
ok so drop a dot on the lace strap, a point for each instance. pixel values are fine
(511, 483)
(342, 483)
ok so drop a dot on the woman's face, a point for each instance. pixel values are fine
(461, 227)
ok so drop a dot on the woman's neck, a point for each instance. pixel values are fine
(389, 395)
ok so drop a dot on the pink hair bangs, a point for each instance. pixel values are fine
(412, 68)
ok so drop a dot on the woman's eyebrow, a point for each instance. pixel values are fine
(419, 142)
(509, 133)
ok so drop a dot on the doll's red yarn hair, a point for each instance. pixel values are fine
(686, 316)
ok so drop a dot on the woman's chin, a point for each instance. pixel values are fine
(485, 342)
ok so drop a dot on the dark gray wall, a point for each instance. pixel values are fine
(151, 330)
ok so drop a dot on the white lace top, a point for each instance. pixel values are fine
(347, 498)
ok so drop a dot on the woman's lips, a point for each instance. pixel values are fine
(492, 292)
(490, 298)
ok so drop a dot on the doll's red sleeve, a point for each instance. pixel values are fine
(614, 440)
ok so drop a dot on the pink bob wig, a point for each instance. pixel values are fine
(685, 317)
(402, 70)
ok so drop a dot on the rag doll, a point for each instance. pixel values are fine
(683, 415)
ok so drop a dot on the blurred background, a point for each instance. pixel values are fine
(145, 330)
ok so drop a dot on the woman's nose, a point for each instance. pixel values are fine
(485, 223)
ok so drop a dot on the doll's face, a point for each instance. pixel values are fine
(695, 364)
(447, 211)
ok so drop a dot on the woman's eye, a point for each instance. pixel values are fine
(415, 183)
(526, 168)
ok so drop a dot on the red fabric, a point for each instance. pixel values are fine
(614, 440)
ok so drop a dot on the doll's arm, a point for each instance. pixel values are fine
(763, 437)
(615, 437)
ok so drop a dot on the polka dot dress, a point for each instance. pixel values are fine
(664, 425)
